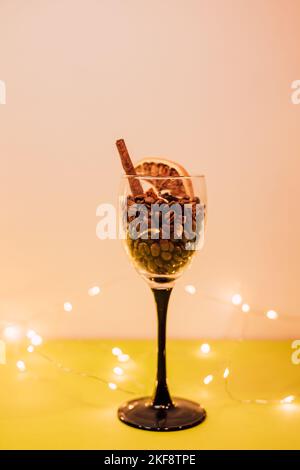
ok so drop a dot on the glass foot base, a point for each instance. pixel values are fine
(141, 414)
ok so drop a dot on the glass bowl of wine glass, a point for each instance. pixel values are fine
(163, 229)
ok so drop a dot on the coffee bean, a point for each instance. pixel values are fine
(166, 255)
(177, 250)
(177, 259)
(171, 247)
(151, 266)
(164, 245)
(159, 262)
(155, 250)
(186, 253)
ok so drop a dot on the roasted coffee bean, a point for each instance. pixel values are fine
(164, 245)
(186, 253)
(137, 254)
(151, 266)
(159, 262)
(147, 250)
(177, 249)
(155, 250)
(141, 248)
(170, 252)
(166, 256)
(177, 258)
(144, 248)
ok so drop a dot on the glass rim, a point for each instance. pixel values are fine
(149, 177)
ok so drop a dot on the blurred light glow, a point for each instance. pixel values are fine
(123, 357)
(226, 373)
(36, 340)
(68, 307)
(246, 308)
(236, 299)
(112, 386)
(94, 291)
(12, 333)
(205, 348)
(288, 399)
(118, 370)
(21, 366)
(208, 379)
(190, 289)
(289, 407)
(272, 315)
(116, 351)
(30, 334)
(30, 348)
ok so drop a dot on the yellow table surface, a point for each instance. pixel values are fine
(46, 408)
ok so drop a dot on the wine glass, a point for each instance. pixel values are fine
(163, 228)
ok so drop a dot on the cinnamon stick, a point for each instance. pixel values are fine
(129, 169)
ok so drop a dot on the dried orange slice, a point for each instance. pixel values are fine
(170, 171)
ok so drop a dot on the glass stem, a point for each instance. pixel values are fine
(161, 395)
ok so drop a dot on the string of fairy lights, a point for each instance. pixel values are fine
(17, 333)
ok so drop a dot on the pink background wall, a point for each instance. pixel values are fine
(206, 83)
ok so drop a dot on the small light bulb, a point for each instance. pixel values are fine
(30, 348)
(94, 291)
(118, 370)
(21, 366)
(112, 386)
(236, 299)
(123, 357)
(288, 399)
(68, 307)
(208, 379)
(116, 351)
(12, 333)
(226, 373)
(272, 315)
(30, 334)
(190, 289)
(205, 348)
(246, 308)
(36, 340)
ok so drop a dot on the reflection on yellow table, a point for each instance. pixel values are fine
(46, 408)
